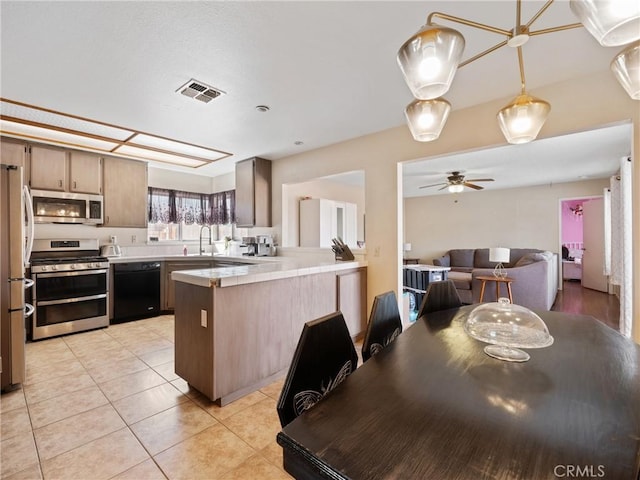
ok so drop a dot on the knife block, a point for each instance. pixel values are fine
(346, 255)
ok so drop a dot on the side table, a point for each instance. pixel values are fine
(498, 281)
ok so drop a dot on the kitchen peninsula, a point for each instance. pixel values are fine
(236, 328)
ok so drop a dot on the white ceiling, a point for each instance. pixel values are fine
(326, 69)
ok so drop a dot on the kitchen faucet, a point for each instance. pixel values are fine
(200, 236)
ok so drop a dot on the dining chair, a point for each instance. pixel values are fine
(384, 324)
(439, 296)
(324, 357)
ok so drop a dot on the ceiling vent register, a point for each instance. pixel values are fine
(199, 91)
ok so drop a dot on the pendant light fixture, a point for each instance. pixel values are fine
(522, 119)
(431, 57)
(626, 68)
(611, 22)
(429, 60)
(426, 118)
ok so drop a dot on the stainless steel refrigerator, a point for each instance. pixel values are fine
(15, 237)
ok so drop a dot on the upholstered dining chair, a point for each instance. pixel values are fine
(324, 357)
(384, 324)
(439, 296)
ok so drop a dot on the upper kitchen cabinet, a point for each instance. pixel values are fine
(125, 193)
(85, 173)
(65, 170)
(253, 193)
(48, 168)
(13, 153)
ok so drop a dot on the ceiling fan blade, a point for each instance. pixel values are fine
(446, 186)
(481, 180)
(471, 185)
(434, 185)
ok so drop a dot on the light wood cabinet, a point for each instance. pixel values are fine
(170, 286)
(13, 153)
(65, 170)
(253, 193)
(48, 168)
(125, 193)
(85, 173)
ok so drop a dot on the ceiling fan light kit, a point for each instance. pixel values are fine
(431, 57)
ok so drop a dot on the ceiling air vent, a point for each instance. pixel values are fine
(199, 91)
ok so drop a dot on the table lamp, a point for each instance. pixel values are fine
(406, 247)
(499, 255)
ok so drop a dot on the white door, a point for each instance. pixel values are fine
(593, 237)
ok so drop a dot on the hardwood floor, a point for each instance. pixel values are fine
(573, 298)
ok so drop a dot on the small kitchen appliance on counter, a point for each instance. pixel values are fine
(111, 249)
(265, 246)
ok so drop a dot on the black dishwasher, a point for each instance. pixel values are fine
(136, 288)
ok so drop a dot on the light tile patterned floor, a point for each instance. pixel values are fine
(107, 404)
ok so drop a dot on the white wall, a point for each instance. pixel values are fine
(577, 105)
(514, 218)
(327, 189)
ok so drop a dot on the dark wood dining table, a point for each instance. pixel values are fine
(433, 405)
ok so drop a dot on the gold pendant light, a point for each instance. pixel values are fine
(626, 68)
(426, 118)
(431, 57)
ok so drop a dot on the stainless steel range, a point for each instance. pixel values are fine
(71, 291)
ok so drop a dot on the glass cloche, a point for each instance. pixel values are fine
(508, 328)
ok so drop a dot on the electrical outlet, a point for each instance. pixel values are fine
(134, 238)
(203, 318)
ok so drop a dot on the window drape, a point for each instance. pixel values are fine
(175, 206)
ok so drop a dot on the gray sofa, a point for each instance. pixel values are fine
(534, 273)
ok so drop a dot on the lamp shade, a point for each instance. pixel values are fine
(611, 22)
(522, 119)
(499, 254)
(429, 60)
(426, 118)
(626, 68)
(406, 247)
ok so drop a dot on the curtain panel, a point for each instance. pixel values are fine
(176, 206)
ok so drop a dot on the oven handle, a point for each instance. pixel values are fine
(70, 274)
(71, 300)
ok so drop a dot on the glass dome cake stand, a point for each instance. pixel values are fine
(508, 328)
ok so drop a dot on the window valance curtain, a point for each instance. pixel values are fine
(175, 206)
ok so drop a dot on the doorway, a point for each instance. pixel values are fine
(582, 242)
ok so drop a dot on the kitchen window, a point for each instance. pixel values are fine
(176, 215)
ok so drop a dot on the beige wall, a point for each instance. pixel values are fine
(577, 105)
(326, 189)
(515, 218)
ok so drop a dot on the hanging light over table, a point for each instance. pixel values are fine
(426, 118)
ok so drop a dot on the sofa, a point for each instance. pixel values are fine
(534, 273)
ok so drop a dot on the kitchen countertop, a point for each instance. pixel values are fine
(164, 258)
(263, 269)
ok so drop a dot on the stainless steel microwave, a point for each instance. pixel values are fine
(64, 207)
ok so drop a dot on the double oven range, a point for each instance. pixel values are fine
(71, 289)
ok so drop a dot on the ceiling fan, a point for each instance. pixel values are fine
(456, 183)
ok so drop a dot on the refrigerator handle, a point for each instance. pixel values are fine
(30, 225)
(28, 310)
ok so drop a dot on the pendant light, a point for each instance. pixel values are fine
(626, 68)
(522, 119)
(426, 118)
(429, 60)
(611, 22)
